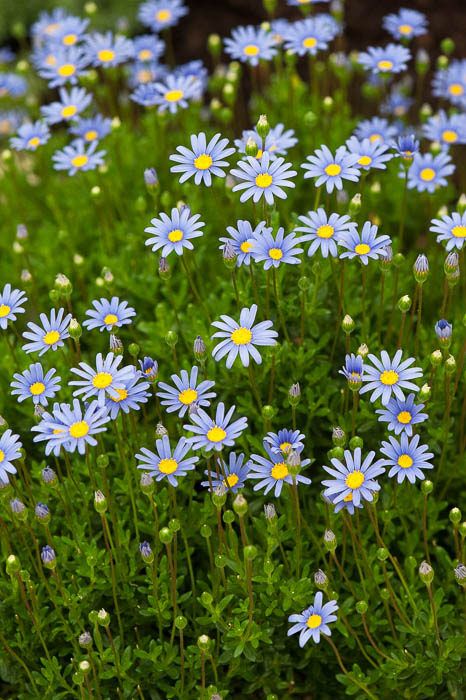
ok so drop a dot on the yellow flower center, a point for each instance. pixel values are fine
(309, 42)
(216, 434)
(389, 377)
(106, 55)
(110, 319)
(375, 137)
(362, 249)
(175, 235)
(405, 29)
(354, 479)
(314, 621)
(187, 396)
(122, 395)
(276, 253)
(66, 70)
(348, 498)
(79, 161)
(174, 95)
(427, 174)
(279, 471)
(51, 337)
(163, 15)
(69, 111)
(385, 65)
(37, 388)
(102, 380)
(241, 336)
(70, 39)
(405, 461)
(231, 480)
(404, 417)
(2, 456)
(251, 50)
(79, 429)
(145, 55)
(4, 310)
(51, 60)
(365, 160)
(450, 136)
(285, 447)
(91, 135)
(456, 89)
(144, 76)
(203, 162)
(245, 246)
(52, 27)
(264, 180)
(34, 141)
(168, 465)
(457, 231)
(325, 231)
(333, 169)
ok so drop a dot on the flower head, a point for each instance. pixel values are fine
(273, 472)
(353, 480)
(353, 370)
(108, 314)
(451, 230)
(51, 335)
(385, 60)
(10, 449)
(167, 463)
(78, 156)
(275, 251)
(447, 130)
(324, 231)
(203, 160)
(406, 147)
(171, 93)
(148, 48)
(229, 475)
(406, 458)
(314, 621)
(108, 50)
(329, 169)
(188, 391)
(134, 393)
(285, 441)
(64, 65)
(34, 384)
(371, 154)
(30, 136)
(240, 338)
(91, 129)
(376, 130)
(242, 240)
(106, 380)
(263, 178)
(277, 142)
(402, 414)
(11, 301)
(71, 426)
(428, 172)
(250, 45)
(364, 245)
(310, 35)
(215, 433)
(71, 104)
(388, 376)
(161, 14)
(405, 24)
(174, 233)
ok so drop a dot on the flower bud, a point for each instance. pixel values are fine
(268, 412)
(427, 487)
(240, 505)
(164, 269)
(146, 552)
(74, 329)
(461, 206)
(450, 365)
(294, 462)
(228, 517)
(42, 513)
(229, 256)
(338, 436)
(263, 126)
(294, 394)
(426, 573)
(171, 339)
(115, 344)
(48, 476)
(361, 607)
(146, 483)
(219, 496)
(151, 178)
(330, 541)
(214, 44)
(250, 552)
(356, 441)
(133, 349)
(425, 393)
(100, 502)
(103, 618)
(48, 557)
(180, 622)
(363, 351)
(436, 358)
(421, 269)
(387, 259)
(203, 642)
(63, 285)
(199, 348)
(347, 324)
(404, 304)
(455, 516)
(149, 368)
(85, 640)
(165, 535)
(160, 430)
(18, 509)
(252, 149)
(382, 554)
(13, 565)
(270, 512)
(354, 206)
(321, 580)
(460, 574)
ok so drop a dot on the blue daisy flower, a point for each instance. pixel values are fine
(50, 335)
(250, 45)
(49, 24)
(407, 458)
(105, 380)
(197, 73)
(371, 154)
(406, 147)
(30, 136)
(12, 85)
(11, 303)
(171, 93)
(447, 130)
(275, 251)
(108, 49)
(397, 104)
(92, 128)
(134, 393)
(10, 449)
(314, 621)
(389, 376)
(203, 161)
(285, 441)
(450, 83)
(161, 14)
(231, 476)
(78, 156)
(146, 74)
(277, 142)
(240, 338)
(443, 331)
(242, 239)
(405, 24)
(108, 314)
(364, 245)
(263, 178)
(353, 480)
(402, 414)
(34, 384)
(310, 35)
(451, 230)
(375, 129)
(273, 472)
(71, 426)
(70, 105)
(167, 463)
(11, 120)
(331, 169)
(186, 392)
(324, 231)
(71, 31)
(428, 172)
(353, 371)
(385, 60)
(148, 48)
(68, 64)
(149, 368)
(174, 233)
(215, 433)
